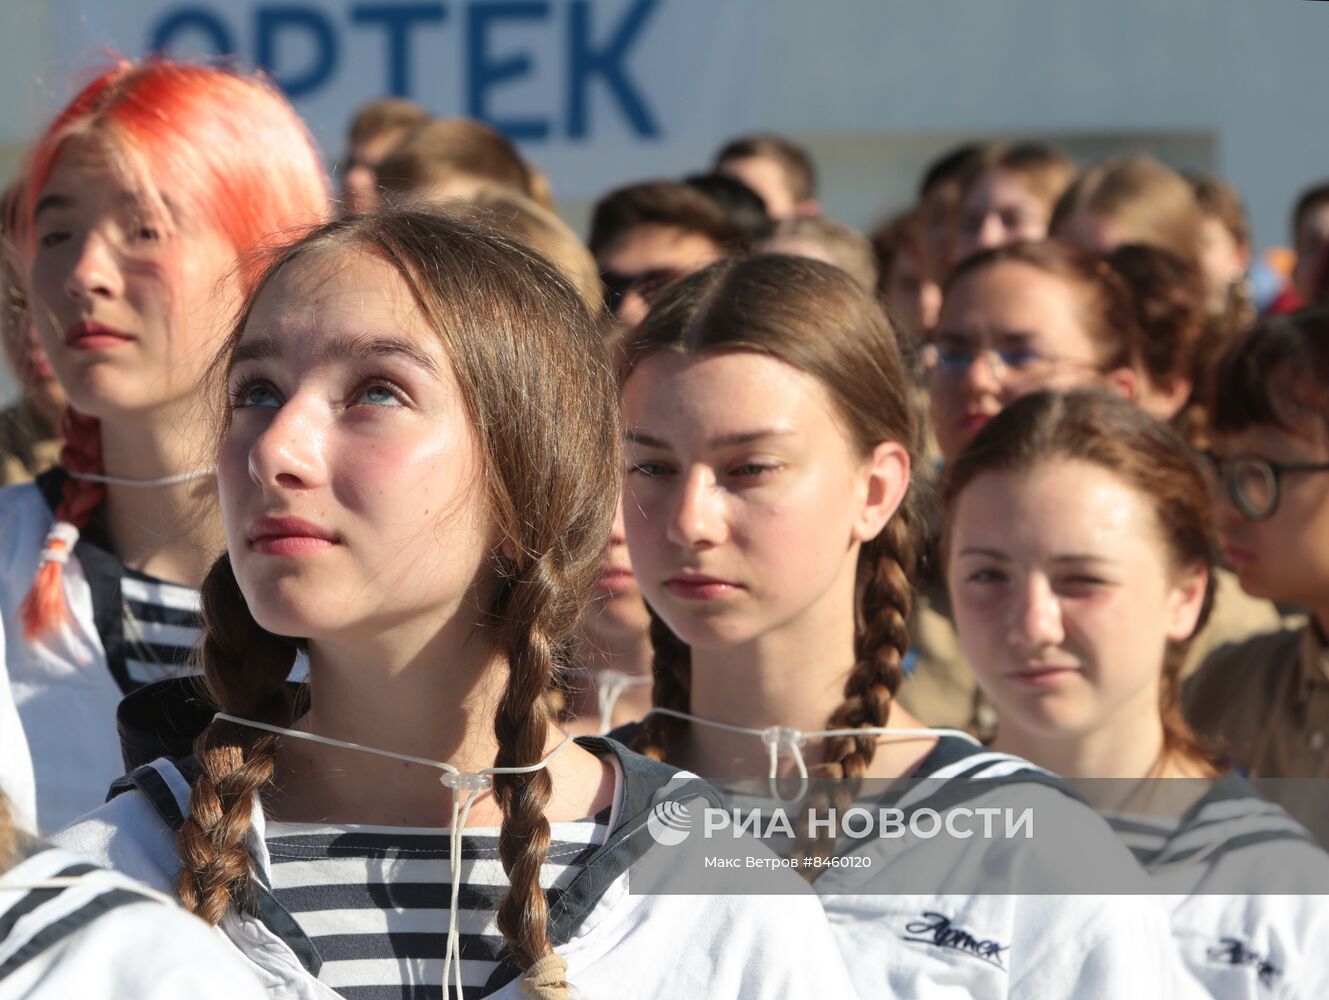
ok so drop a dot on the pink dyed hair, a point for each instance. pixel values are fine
(233, 155)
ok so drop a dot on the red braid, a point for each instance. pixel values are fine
(45, 606)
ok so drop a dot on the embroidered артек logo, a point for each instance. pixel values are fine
(1230, 951)
(936, 929)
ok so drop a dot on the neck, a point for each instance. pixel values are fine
(172, 531)
(1128, 746)
(624, 652)
(791, 676)
(429, 690)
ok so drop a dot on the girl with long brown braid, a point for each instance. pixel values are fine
(410, 496)
(768, 515)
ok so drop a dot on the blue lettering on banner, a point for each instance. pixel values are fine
(269, 22)
(397, 20)
(597, 55)
(484, 71)
(586, 62)
(192, 19)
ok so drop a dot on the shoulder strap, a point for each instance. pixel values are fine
(57, 931)
(646, 782)
(166, 785)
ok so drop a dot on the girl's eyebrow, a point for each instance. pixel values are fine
(349, 347)
(635, 436)
(51, 201)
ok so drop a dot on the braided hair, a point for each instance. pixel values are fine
(507, 319)
(816, 318)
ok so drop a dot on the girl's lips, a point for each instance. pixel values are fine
(616, 581)
(291, 545)
(1040, 677)
(701, 588)
(90, 336)
(975, 421)
(1235, 556)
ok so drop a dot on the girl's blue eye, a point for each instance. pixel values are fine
(53, 239)
(987, 576)
(254, 394)
(380, 395)
(752, 470)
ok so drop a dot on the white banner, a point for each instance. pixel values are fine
(596, 91)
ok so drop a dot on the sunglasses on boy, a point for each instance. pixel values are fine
(1253, 483)
(650, 285)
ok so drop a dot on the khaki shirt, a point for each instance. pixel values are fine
(942, 690)
(1265, 702)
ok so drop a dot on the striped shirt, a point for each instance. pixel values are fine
(162, 624)
(374, 900)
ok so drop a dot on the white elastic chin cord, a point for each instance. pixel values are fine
(473, 783)
(779, 738)
(184, 477)
(609, 687)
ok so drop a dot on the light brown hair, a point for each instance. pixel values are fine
(459, 147)
(1101, 428)
(387, 114)
(843, 246)
(1149, 202)
(817, 319)
(544, 232)
(550, 449)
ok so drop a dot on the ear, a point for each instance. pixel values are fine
(1169, 401)
(885, 480)
(1185, 601)
(1124, 382)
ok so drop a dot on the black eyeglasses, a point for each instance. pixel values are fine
(650, 285)
(1253, 483)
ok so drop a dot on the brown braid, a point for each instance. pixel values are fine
(881, 640)
(671, 666)
(522, 729)
(245, 668)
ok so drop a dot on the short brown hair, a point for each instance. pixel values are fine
(795, 162)
(1045, 171)
(1276, 374)
(384, 115)
(659, 203)
(1169, 309)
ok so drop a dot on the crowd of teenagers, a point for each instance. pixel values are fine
(378, 558)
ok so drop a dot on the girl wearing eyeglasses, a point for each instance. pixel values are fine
(1017, 319)
(1267, 700)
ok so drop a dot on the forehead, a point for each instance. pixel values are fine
(1059, 505)
(675, 394)
(646, 248)
(1011, 294)
(1001, 186)
(333, 292)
